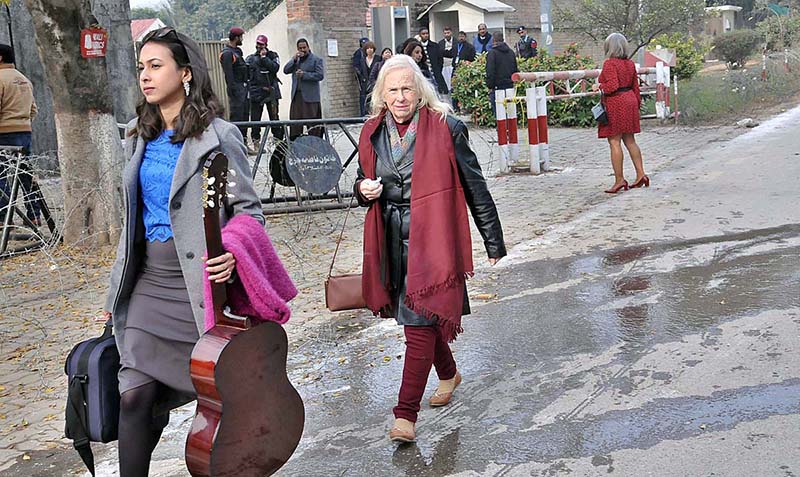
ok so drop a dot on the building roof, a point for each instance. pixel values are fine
(489, 6)
(140, 26)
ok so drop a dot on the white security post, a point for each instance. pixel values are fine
(533, 129)
(511, 124)
(502, 128)
(541, 119)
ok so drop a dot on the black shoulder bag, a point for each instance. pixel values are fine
(92, 413)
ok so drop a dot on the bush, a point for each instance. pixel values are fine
(689, 51)
(771, 30)
(735, 47)
(469, 89)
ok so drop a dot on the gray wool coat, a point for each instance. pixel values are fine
(185, 213)
(313, 72)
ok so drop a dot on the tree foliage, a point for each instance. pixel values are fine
(689, 51)
(144, 13)
(639, 20)
(774, 28)
(147, 13)
(211, 19)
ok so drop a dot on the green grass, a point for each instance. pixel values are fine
(722, 96)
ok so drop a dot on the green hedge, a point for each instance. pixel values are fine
(469, 89)
(737, 46)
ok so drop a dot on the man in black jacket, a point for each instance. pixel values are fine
(446, 45)
(501, 63)
(264, 87)
(236, 73)
(463, 51)
(526, 46)
(435, 58)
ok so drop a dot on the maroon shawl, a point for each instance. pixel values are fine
(440, 246)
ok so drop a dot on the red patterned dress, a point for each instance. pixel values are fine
(622, 107)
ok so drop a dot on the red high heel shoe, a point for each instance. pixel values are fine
(644, 181)
(617, 188)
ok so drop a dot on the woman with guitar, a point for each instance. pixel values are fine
(156, 288)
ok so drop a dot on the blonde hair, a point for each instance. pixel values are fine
(616, 46)
(427, 95)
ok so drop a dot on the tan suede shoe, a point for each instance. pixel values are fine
(442, 399)
(399, 435)
(396, 434)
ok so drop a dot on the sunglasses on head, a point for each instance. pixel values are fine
(166, 34)
(161, 33)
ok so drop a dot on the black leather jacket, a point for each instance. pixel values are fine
(264, 84)
(396, 195)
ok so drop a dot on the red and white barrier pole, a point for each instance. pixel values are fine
(511, 123)
(764, 66)
(667, 84)
(535, 76)
(541, 121)
(533, 130)
(661, 96)
(502, 128)
(677, 112)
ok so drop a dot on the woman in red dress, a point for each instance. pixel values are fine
(620, 87)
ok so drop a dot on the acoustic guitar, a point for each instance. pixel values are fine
(249, 417)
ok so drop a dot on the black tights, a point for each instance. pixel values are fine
(139, 431)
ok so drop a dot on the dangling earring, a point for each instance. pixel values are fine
(186, 87)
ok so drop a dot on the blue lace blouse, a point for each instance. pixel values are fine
(155, 181)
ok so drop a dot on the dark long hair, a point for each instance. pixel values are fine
(200, 107)
(408, 48)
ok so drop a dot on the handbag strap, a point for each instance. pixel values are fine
(77, 421)
(341, 234)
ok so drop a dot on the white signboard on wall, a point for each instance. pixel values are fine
(333, 47)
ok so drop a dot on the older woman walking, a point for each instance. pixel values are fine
(155, 295)
(620, 87)
(418, 175)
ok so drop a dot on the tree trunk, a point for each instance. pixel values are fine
(29, 64)
(89, 151)
(115, 16)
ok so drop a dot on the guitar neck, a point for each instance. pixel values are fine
(219, 292)
(215, 172)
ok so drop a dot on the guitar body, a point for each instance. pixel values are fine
(249, 417)
(250, 421)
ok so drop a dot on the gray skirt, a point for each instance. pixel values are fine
(160, 332)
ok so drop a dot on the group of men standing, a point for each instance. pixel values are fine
(253, 84)
(444, 57)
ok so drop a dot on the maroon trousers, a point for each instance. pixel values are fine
(425, 346)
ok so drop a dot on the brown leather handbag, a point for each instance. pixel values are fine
(343, 292)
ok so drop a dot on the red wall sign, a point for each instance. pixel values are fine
(93, 42)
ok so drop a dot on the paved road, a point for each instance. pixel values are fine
(655, 333)
(673, 353)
